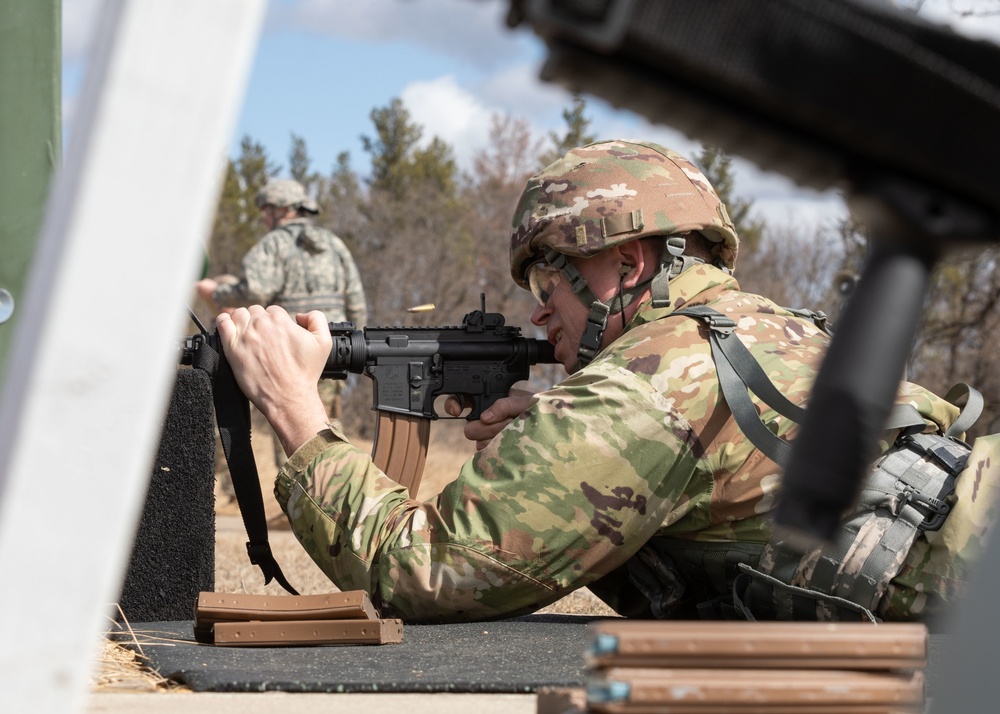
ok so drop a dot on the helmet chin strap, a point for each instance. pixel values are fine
(672, 263)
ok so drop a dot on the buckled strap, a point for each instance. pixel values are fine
(817, 317)
(750, 375)
(590, 342)
(739, 371)
(560, 262)
(929, 479)
(659, 289)
(744, 363)
(907, 493)
(735, 393)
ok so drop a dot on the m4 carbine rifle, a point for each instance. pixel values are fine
(411, 367)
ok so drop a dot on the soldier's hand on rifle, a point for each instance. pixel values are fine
(494, 419)
(277, 363)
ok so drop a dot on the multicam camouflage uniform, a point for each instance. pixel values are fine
(637, 444)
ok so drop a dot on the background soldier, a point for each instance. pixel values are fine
(297, 266)
(631, 476)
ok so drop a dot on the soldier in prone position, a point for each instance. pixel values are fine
(631, 476)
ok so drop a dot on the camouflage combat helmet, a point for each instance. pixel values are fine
(284, 193)
(603, 194)
(611, 192)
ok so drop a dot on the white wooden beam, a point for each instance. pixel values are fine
(94, 355)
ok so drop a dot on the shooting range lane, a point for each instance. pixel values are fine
(514, 656)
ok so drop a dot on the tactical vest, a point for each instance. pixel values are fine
(909, 490)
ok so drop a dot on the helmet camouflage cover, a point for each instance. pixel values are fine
(611, 192)
(285, 192)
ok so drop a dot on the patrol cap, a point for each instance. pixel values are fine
(284, 193)
(612, 192)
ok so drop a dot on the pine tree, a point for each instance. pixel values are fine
(717, 167)
(399, 165)
(342, 202)
(434, 166)
(299, 164)
(236, 227)
(416, 247)
(576, 133)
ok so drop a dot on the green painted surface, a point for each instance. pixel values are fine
(30, 136)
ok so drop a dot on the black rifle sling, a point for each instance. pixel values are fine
(232, 414)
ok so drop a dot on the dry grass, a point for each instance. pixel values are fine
(120, 669)
(121, 665)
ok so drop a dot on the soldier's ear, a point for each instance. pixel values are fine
(632, 261)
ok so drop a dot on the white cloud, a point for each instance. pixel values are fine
(516, 89)
(450, 112)
(461, 116)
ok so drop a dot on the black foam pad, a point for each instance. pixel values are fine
(173, 558)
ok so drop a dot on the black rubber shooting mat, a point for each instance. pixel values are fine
(516, 656)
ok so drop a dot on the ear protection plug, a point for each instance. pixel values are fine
(624, 270)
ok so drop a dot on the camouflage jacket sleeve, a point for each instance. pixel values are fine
(550, 505)
(355, 305)
(263, 273)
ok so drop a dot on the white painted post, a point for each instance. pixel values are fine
(95, 352)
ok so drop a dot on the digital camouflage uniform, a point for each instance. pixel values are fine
(636, 445)
(300, 267)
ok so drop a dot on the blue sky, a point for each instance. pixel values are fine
(323, 65)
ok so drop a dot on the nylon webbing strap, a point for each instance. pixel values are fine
(739, 371)
(970, 412)
(746, 416)
(232, 414)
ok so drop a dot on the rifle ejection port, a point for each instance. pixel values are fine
(397, 340)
